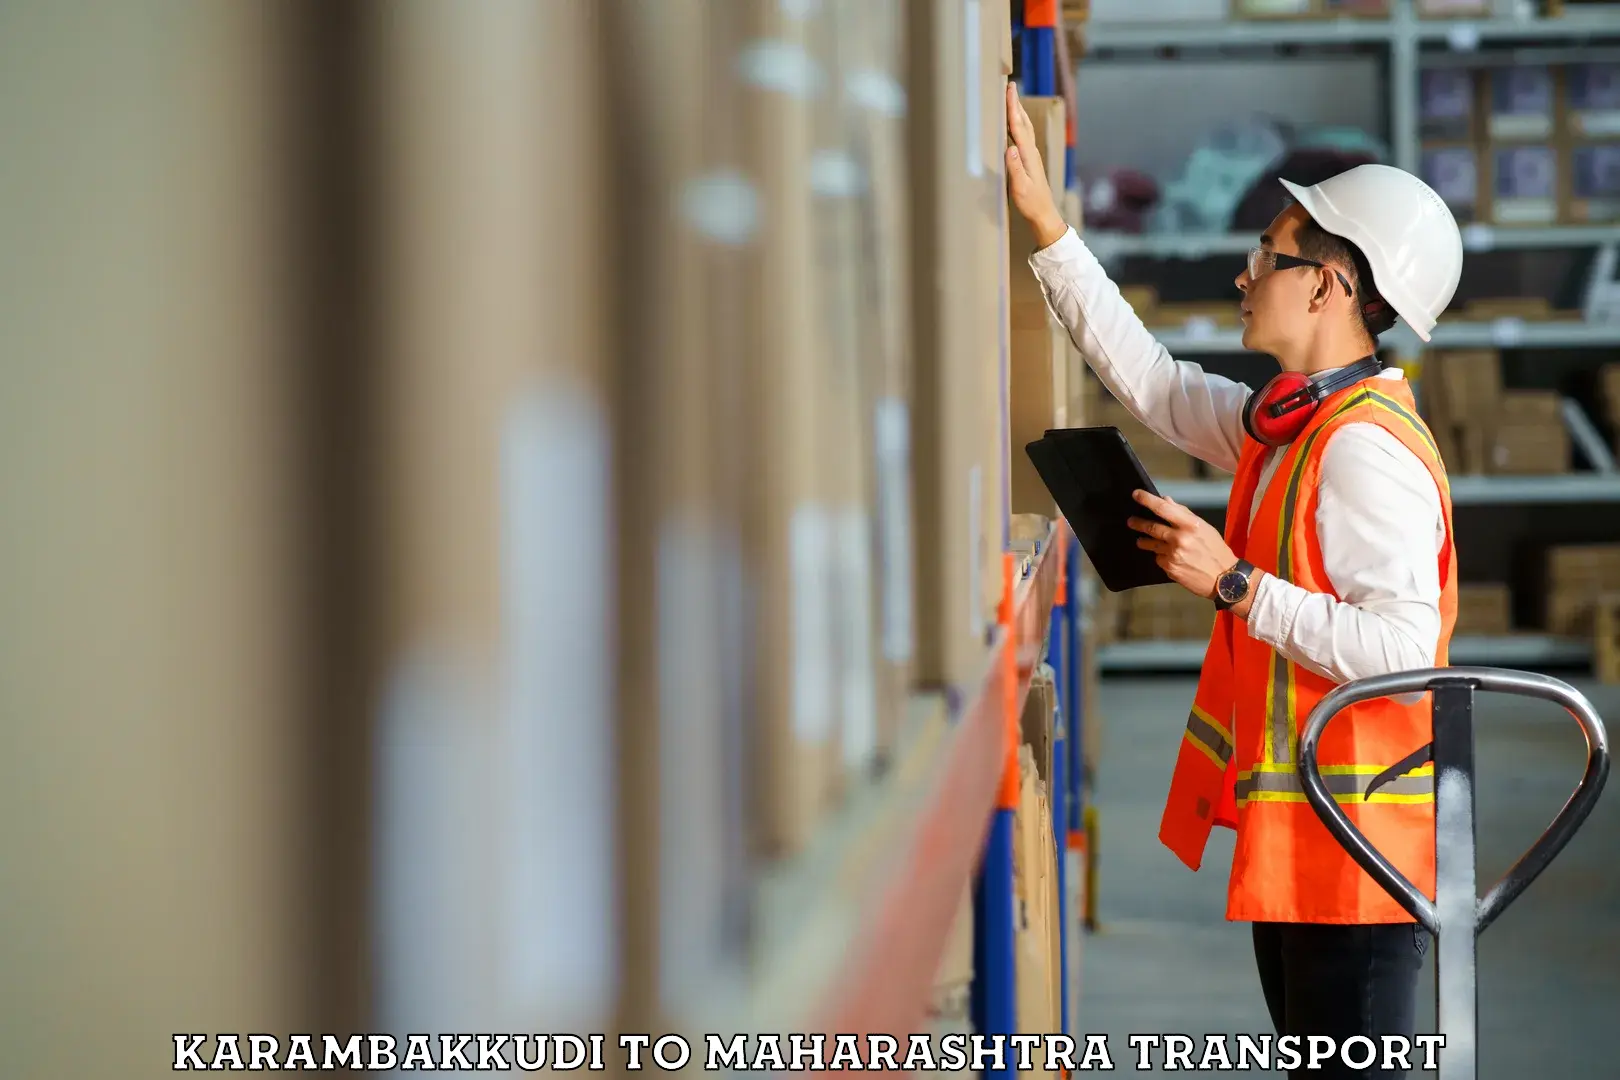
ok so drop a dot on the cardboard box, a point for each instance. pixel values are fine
(1520, 103)
(1040, 709)
(1448, 104)
(1484, 609)
(875, 46)
(1529, 449)
(1463, 386)
(1545, 407)
(1454, 172)
(792, 536)
(1040, 368)
(1593, 183)
(1036, 908)
(1592, 100)
(1524, 184)
(950, 458)
(1047, 116)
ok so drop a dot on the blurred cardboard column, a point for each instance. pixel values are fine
(153, 678)
(496, 889)
(685, 216)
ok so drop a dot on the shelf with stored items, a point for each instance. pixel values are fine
(1402, 26)
(1113, 246)
(1527, 650)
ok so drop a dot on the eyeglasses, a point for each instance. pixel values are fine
(1263, 260)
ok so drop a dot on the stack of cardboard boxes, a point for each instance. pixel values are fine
(1523, 144)
(1481, 427)
(1576, 575)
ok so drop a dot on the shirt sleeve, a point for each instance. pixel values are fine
(1186, 406)
(1381, 527)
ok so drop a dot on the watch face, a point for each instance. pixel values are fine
(1232, 586)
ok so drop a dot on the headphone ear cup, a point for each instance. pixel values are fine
(1281, 430)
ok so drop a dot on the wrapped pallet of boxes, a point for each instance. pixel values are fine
(791, 537)
(1484, 610)
(1040, 346)
(954, 472)
(1575, 575)
(1529, 437)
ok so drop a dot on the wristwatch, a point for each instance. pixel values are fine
(1233, 586)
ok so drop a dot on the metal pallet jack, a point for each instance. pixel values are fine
(1456, 917)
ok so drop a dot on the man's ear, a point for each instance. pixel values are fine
(1324, 287)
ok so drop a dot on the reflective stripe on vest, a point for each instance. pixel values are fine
(1346, 783)
(1209, 736)
(1282, 725)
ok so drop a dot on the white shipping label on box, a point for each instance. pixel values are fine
(552, 754)
(1594, 98)
(1521, 103)
(812, 550)
(857, 679)
(892, 441)
(1526, 188)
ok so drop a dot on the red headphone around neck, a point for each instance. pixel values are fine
(1275, 414)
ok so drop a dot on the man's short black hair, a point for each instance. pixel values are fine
(1319, 245)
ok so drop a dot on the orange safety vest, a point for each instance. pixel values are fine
(1237, 764)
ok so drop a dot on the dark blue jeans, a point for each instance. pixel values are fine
(1342, 981)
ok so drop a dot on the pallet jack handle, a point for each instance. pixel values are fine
(1456, 916)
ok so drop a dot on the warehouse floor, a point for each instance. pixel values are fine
(1164, 960)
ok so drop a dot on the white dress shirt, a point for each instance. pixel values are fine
(1379, 518)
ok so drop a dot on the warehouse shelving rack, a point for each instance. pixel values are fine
(850, 932)
(1409, 43)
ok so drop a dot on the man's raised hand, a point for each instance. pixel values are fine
(1026, 176)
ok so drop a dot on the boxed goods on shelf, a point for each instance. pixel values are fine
(1592, 182)
(1592, 100)
(872, 42)
(958, 266)
(1036, 920)
(1606, 638)
(1448, 104)
(1040, 346)
(1523, 184)
(1453, 170)
(1484, 609)
(1521, 102)
(1529, 435)
(1461, 393)
(1575, 575)
(790, 532)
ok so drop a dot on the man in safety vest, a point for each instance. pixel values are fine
(1336, 563)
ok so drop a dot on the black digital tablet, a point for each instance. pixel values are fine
(1091, 474)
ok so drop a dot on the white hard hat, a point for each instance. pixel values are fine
(1405, 230)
